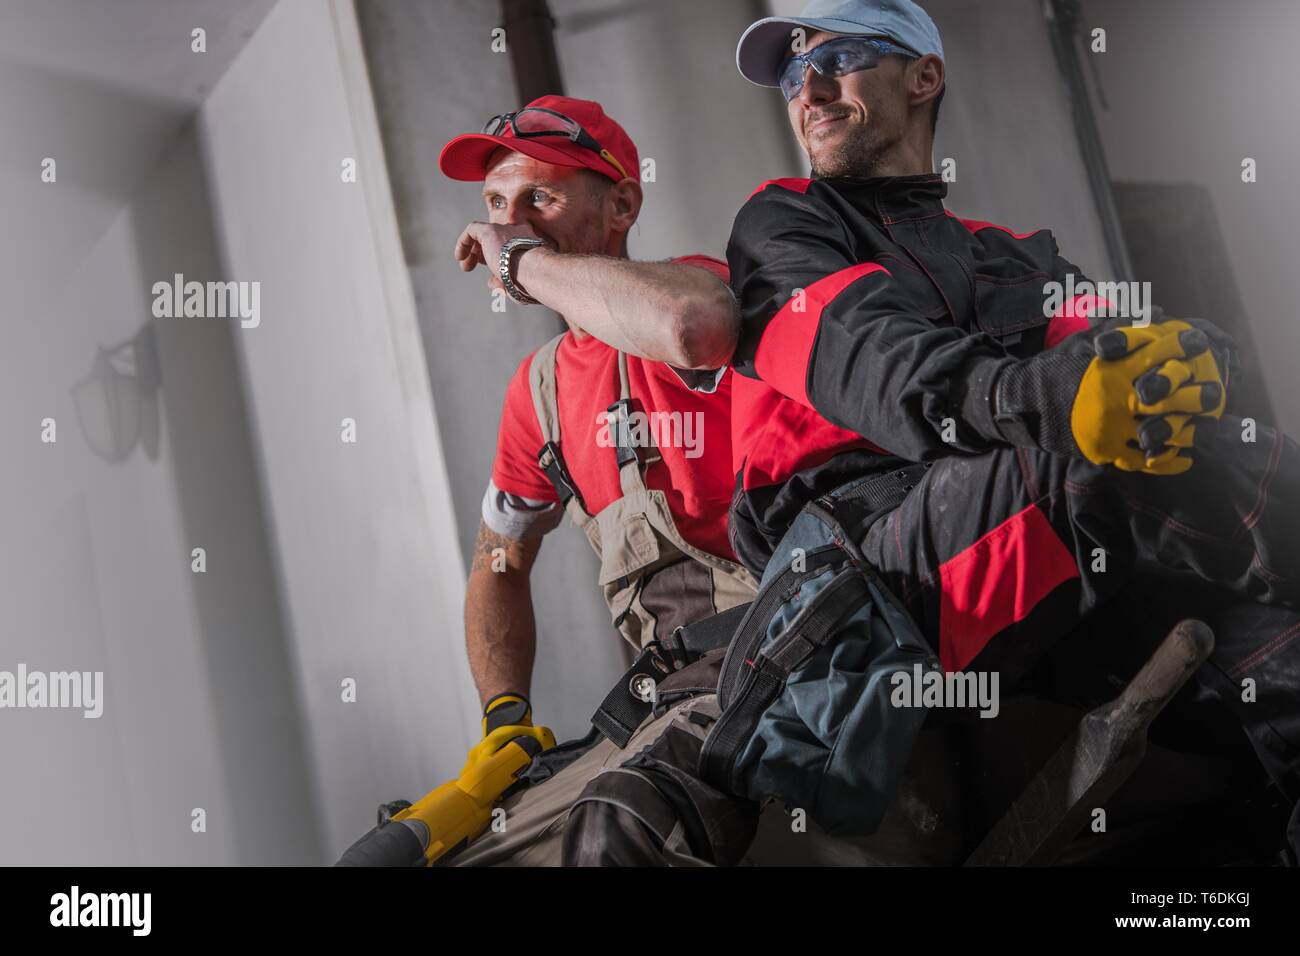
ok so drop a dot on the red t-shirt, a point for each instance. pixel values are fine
(694, 470)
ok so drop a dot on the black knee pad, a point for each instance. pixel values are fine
(620, 819)
(628, 815)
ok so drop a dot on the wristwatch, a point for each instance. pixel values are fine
(504, 270)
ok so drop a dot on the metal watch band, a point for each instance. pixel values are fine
(513, 288)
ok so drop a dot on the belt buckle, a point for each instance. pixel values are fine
(646, 671)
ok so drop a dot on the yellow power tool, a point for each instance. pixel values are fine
(447, 818)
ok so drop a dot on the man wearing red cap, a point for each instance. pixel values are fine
(622, 421)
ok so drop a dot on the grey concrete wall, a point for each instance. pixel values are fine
(363, 534)
(667, 71)
(1006, 120)
(1191, 93)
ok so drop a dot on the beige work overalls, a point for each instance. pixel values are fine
(653, 581)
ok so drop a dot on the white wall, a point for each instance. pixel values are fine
(363, 533)
(329, 560)
(96, 576)
(95, 556)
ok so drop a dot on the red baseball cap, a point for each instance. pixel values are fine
(466, 157)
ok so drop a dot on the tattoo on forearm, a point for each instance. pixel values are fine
(491, 548)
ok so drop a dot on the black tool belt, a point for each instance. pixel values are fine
(661, 675)
(633, 698)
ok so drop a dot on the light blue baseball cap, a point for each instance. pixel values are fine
(763, 46)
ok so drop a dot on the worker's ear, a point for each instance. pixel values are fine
(925, 79)
(624, 204)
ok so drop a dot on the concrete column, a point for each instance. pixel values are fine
(363, 531)
(435, 75)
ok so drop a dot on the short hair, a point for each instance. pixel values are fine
(597, 183)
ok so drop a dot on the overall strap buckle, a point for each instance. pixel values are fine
(551, 461)
(626, 450)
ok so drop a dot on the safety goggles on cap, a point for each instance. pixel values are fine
(538, 121)
(836, 57)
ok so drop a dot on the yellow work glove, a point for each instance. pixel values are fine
(505, 717)
(1143, 398)
(1135, 398)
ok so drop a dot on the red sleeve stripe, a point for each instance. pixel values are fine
(794, 185)
(786, 346)
(975, 225)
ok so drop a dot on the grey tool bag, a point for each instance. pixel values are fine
(805, 687)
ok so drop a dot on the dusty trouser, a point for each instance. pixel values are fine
(527, 825)
(652, 808)
(1039, 541)
(1253, 674)
(530, 827)
(611, 795)
(654, 582)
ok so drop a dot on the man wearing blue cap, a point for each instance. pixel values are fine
(1022, 464)
(879, 330)
(855, 37)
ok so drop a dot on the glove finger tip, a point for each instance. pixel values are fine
(1152, 387)
(1153, 434)
(1194, 342)
(1111, 345)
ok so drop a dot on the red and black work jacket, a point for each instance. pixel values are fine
(864, 303)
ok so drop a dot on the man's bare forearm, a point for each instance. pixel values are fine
(500, 632)
(662, 311)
